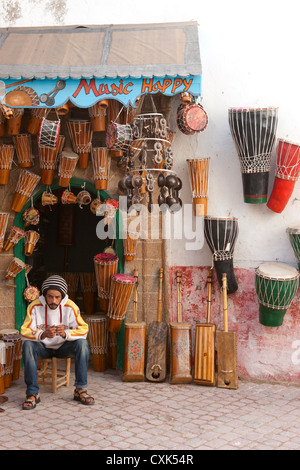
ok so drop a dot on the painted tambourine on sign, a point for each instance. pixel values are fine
(191, 118)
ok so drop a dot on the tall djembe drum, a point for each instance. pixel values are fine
(6, 160)
(106, 265)
(101, 166)
(81, 134)
(25, 186)
(198, 173)
(119, 296)
(97, 340)
(253, 131)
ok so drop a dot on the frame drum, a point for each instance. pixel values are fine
(293, 232)
(276, 285)
(31, 239)
(198, 173)
(120, 292)
(15, 235)
(15, 267)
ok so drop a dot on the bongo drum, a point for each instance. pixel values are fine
(253, 131)
(3, 225)
(35, 120)
(88, 289)
(31, 293)
(14, 123)
(15, 235)
(72, 280)
(97, 340)
(31, 239)
(198, 173)
(6, 159)
(105, 267)
(287, 173)
(221, 235)
(25, 186)
(48, 199)
(276, 285)
(97, 114)
(22, 143)
(129, 243)
(101, 166)
(293, 232)
(16, 339)
(66, 168)
(49, 133)
(118, 136)
(83, 198)
(15, 267)
(31, 216)
(9, 363)
(119, 295)
(191, 118)
(2, 366)
(68, 197)
(81, 134)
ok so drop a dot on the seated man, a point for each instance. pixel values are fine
(54, 327)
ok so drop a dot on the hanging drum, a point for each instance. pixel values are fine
(287, 173)
(15, 267)
(6, 159)
(3, 225)
(81, 134)
(105, 266)
(221, 235)
(198, 173)
(67, 165)
(118, 136)
(22, 143)
(191, 118)
(293, 232)
(276, 285)
(49, 133)
(13, 124)
(253, 131)
(31, 239)
(101, 166)
(97, 114)
(25, 186)
(15, 235)
(36, 118)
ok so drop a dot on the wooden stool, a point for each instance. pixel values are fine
(51, 374)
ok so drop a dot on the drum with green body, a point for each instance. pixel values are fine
(294, 236)
(276, 285)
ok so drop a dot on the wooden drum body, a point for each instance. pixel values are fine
(22, 143)
(191, 118)
(66, 168)
(13, 124)
(198, 173)
(2, 366)
(97, 115)
(181, 353)
(120, 292)
(101, 166)
(6, 159)
(15, 235)
(81, 134)
(31, 239)
(97, 341)
(130, 243)
(48, 160)
(105, 267)
(3, 225)
(25, 186)
(134, 357)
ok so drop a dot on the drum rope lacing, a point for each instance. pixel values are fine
(273, 293)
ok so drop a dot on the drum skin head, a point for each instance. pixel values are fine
(277, 271)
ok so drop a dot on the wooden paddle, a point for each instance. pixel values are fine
(204, 373)
(226, 349)
(157, 342)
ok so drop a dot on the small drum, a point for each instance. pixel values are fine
(16, 339)
(198, 173)
(48, 199)
(88, 289)
(72, 279)
(191, 118)
(97, 341)
(130, 243)
(3, 225)
(118, 136)
(15, 267)
(15, 235)
(181, 353)
(13, 124)
(31, 293)
(81, 134)
(276, 285)
(25, 186)
(6, 159)
(105, 267)
(2, 366)
(83, 198)
(9, 364)
(287, 173)
(67, 165)
(31, 216)
(121, 287)
(293, 232)
(35, 120)
(101, 166)
(134, 357)
(97, 114)
(31, 239)
(221, 235)
(49, 133)
(68, 197)
(253, 131)
(22, 143)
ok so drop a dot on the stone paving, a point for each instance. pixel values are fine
(153, 416)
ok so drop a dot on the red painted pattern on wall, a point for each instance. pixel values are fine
(263, 353)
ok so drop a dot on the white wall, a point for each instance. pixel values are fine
(250, 56)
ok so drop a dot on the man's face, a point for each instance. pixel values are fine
(53, 298)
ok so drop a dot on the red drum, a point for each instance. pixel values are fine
(287, 173)
(3, 225)
(81, 134)
(118, 136)
(191, 118)
(31, 293)
(105, 267)
(16, 340)
(15, 235)
(6, 159)
(120, 292)
(68, 197)
(25, 186)
(22, 143)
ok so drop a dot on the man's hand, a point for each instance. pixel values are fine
(49, 332)
(60, 331)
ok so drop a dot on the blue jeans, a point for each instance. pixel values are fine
(32, 351)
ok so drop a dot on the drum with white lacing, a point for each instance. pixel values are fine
(97, 340)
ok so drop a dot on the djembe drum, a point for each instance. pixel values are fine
(293, 232)
(13, 124)
(25, 186)
(221, 235)
(118, 136)
(97, 341)
(35, 120)
(15, 235)
(111, 207)
(31, 239)
(81, 134)
(16, 339)
(253, 131)
(3, 225)
(9, 363)
(22, 143)
(276, 285)
(130, 243)
(48, 160)
(191, 118)
(287, 173)
(67, 165)
(2, 366)
(15, 266)
(6, 160)
(101, 166)
(97, 114)
(105, 267)
(88, 289)
(198, 173)
(119, 295)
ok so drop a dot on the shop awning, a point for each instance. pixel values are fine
(89, 63)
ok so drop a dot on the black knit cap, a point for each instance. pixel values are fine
(55, 282)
